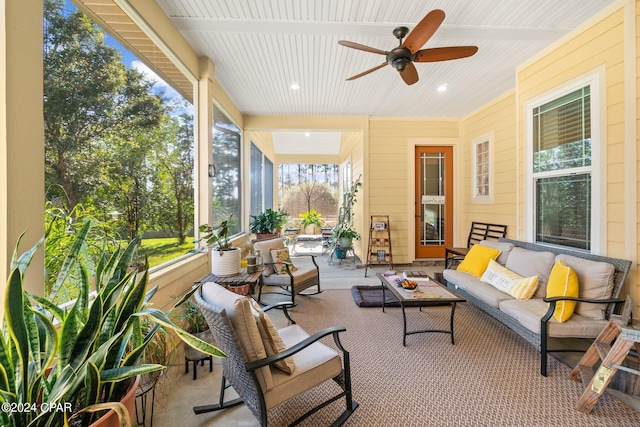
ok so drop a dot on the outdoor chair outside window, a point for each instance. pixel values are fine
(281, 272)
(257, 356)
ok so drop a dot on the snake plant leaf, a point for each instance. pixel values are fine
(86, 337)
(5, 387)
(191, 340)
(65, 381)
(7, 363)
(16, 326)
(49, 306)
(138, 350)
(83, 283)
(150, 293)
(133, 299)
(118, 407)
(99, 355)
(126, 372)
(50, 342)
(33, 333)
(23, 261)
(186, 296)
(93, 385)
(70, 259)
(68, 334)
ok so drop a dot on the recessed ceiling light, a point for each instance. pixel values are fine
(307, 134)
(443, 88)
(295, 86)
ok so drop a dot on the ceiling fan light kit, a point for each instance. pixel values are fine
(402, 57)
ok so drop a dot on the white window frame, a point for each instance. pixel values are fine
(598, 158)
(476, 143)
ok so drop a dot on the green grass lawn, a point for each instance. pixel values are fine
(165, 249)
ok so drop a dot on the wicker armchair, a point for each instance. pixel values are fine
(293, 281)
(236, 322)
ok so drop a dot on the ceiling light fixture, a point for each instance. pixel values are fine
(295, 86)
(443, 88)
(307, 134)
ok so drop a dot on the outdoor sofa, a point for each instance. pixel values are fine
(599, 279)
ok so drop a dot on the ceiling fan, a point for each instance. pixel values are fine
(402, 57)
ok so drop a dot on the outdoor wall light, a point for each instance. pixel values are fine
(212, 170)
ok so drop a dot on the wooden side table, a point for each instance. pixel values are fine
(242, 278)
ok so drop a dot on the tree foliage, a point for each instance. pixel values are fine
(112, 142)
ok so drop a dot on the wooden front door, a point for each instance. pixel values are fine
(433, 200)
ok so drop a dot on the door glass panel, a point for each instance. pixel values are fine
(432, 215)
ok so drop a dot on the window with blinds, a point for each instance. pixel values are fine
(562, 132)
(562, 170)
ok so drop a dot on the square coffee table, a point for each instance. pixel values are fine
(429, 293)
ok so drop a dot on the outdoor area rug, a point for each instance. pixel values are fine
(490, 377)
(371, 296)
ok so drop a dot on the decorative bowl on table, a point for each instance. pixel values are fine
(408, 285)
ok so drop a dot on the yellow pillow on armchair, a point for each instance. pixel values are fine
(477, 259)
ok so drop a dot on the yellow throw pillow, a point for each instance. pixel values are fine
(525, 288)
(282, 255)
(563, 281)
(477, 259)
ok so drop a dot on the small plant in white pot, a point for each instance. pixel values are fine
(225, 259)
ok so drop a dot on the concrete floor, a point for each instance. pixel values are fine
(178, 392)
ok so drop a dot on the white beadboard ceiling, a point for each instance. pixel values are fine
(261, 47)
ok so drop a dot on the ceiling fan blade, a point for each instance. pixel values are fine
(410, 74)
(361, 47)
(371, 70)
(424, 30)
(445, 53)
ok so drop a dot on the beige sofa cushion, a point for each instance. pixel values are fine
(505, 249)
(528, 263)
(471, 284)
(239, 312)
(529, 313)
(595, 281)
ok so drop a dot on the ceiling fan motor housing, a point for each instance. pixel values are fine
(399, 58)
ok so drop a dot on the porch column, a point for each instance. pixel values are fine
(204, 125)
(21, 137)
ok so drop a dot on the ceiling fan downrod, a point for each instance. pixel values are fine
(400, 57)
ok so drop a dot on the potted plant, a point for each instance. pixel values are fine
(79, 361)
(345, 235)
(311, 220)
(191, 319)
(267, 224)
(225, 259)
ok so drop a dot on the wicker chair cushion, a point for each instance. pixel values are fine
(314, 365)
(239, 312)
(595, 280)
(271, 338)
(265, 246)
(299, 276)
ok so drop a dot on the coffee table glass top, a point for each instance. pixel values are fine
(427, 290)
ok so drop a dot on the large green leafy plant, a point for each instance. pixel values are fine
(82, 357)
(267, 222)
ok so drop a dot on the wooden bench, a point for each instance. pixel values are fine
(479, 231)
